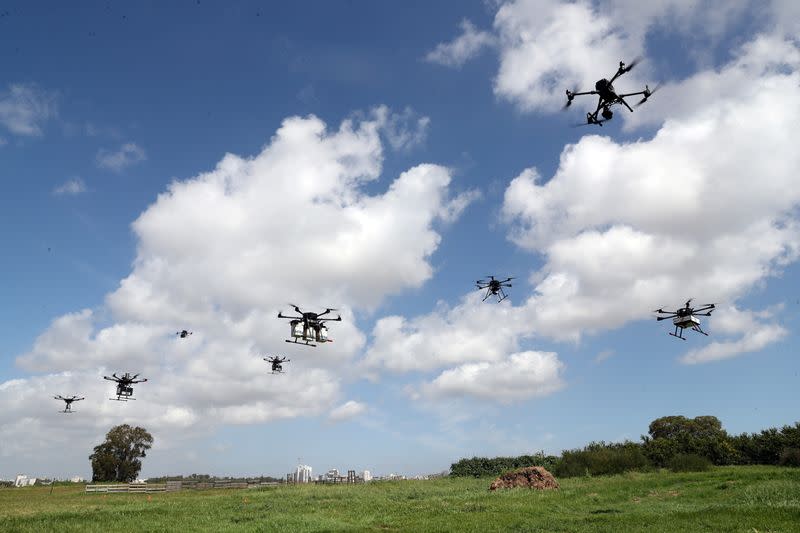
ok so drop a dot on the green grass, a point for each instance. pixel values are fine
(747, 499)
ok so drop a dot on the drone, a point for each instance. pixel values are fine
(68, 402)
(124, 389)
(276, 363)
(609, 96)
(494, 287)
(685, 318)
(309, 327)
(183, 333)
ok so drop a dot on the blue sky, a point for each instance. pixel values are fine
(380, 159)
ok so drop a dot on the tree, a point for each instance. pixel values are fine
(702, 435)
(117, 459)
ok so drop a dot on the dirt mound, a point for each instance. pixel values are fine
(532, 477)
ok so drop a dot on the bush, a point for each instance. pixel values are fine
(790, 457)
(484, 466)
(599, 458)
(689, 462)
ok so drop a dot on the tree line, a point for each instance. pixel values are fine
(675, 442)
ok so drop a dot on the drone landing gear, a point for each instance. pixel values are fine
(121, 399)
(678, 333)
(698, 330)
(306, 343)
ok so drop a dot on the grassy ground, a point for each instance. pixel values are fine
(746, 499)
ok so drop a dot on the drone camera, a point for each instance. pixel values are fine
(607, 113)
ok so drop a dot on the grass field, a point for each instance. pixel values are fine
(747, 499)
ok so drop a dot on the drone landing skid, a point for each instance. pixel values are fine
(121, 399)
(307, 343)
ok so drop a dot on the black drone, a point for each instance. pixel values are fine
(68, 402)
(276, 363)
(494, 287)
(685, 318)
(609, 96)
(309, 327)
(124, 389)
(183, 333)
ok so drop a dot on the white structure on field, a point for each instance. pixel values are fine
(367, 476)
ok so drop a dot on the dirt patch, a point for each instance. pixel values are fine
(532, 477)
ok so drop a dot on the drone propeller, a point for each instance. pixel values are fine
(629, 66)
(570, 97)
(648, 92)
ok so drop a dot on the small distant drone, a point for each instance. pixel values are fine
(124, 389)
(183, 333)
(68, 402)
(685, 318)
(494, 287)
(309, 327)
(276, 363)
(609, 96)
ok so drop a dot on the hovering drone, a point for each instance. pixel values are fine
(685, 318)
(609, 96)
(276, 363)
(124, 389)
(494, 287)
(68, 402)
(309, 327)
(183, 333)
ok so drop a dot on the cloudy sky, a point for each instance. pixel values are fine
(198, 165)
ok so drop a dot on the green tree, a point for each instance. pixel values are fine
(702, 435)
(117, 459)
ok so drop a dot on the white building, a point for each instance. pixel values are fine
(24, 481)
(303, 474)
(77, 479)
(367, 476)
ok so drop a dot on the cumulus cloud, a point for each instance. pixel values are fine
(625, 227)
(221, 253)
(404, 130)
(754, 332)
(464, 47)
(127, 155)
(24, 108)
(547, 46)
(517, 377)
(346, 411)
(70, 187)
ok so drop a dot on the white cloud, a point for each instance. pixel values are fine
(628, 227)
(403, 131)
(71, 187)
(517, 377)
(127, 155)
(472, 331)
(464, 47)
(25, 108)
(754, 335)
(346, 411)
(220, 254)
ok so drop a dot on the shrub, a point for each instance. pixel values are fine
(790, 457)
(689, 462)
(599, 458)
(484, 466)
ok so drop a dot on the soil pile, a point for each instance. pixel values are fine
(532, 477)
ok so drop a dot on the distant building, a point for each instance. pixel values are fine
(367, 476)
(303, 474)
(77, 479)
(24, 481)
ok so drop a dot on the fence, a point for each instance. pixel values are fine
(127, 487)
(172, 486)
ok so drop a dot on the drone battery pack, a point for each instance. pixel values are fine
(686, 321)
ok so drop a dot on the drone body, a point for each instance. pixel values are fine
(686, 318)
(183, 333)
(494, 287)
(276, 363)
(124, 388)
(68, 403)
(309, 327)
(608, 96)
